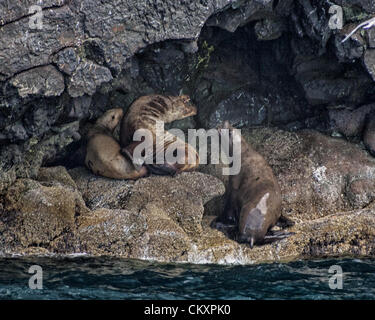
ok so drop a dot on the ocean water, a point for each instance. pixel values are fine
(110, 278)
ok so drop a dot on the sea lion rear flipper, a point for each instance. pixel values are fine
(273, 236)
(162, 169)
(128, 151)
(229, 214)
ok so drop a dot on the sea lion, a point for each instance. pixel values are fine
(254, 196)
(189, 161)
(143, 114)
(103, 155)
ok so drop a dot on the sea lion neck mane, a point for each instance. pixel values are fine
(146, 110)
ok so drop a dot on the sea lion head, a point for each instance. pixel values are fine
(110, 118)
(252, 222)
(182, 107)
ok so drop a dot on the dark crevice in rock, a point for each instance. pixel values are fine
(26, 70)
(2, 24)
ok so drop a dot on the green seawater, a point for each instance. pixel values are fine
(110, 278)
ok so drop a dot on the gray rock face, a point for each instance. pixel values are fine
(135, 24)
(350, 123)
(322, 82)
(240, 14)
(241, 108)
(115, 52)
(269, 29)
(67, 60)
(86, 78)
(11, 11)
(24, 48)
(41, 81)
(367, 5)
(352, 50)
(250, 108)
(79, 109)
(163, 69)
(369, 61)
(90, 43)
(24, 160)
(122, 29)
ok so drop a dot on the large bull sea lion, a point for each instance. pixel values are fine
(143, 114)
(254, 195)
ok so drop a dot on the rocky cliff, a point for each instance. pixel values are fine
(276, 67)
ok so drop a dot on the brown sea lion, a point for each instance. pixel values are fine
(254, 196)
(103, 155)
(189, 161)
(143, 114)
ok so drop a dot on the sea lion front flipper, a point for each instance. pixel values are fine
(162, 169)
(229, 215)
(228, 229)
(273, 236)
(128, 151)
(165, 168)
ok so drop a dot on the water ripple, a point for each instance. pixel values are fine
(110, 278)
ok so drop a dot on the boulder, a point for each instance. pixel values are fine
(40, 216)
(43, 81)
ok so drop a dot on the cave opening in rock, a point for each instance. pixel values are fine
(250, 77)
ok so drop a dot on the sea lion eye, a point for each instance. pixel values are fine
(113, 117)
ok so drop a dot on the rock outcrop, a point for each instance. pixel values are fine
(260, 64)
(327, 186)
(61, 51)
